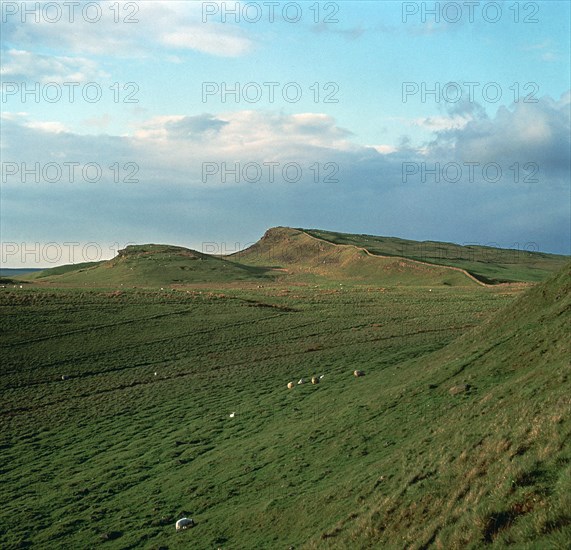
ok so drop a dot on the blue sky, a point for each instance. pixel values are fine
(349, 155)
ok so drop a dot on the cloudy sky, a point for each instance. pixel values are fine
(208, 122)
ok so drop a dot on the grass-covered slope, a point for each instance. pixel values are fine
(152, 265)
(488, 461)
(489, 264)
(310, 256)
(115, 453)
(304, 257)
(458, 436)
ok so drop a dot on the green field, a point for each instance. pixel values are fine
(458, 436)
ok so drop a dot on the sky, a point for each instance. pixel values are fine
(203, 124)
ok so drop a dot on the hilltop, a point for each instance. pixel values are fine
(310, 258)
(489, 264)
(152, 265)
(285, 255)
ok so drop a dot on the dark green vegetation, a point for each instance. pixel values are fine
(457, 437)
(7, 281)
(488, 263)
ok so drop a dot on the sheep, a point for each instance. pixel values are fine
(64, 377)
(290, 385)
(301, 381)
(358, 373)
(232, 415)
(322, 377)
(184, 523)
(315, 380)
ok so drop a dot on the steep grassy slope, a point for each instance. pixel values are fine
(489, 462)
(307, 258)
(489, 264)
(152, 265)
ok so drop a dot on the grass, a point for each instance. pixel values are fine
(151, 265)
(489, 264)
(309, 259)
(115, 453)
(286, 256)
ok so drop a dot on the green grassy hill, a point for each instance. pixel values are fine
(307, 258)
(489, 264)
(283, 254)
(488, 459)
(458, 436)
(312, 256)
(152, 265)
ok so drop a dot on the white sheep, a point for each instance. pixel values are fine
(290, 385)
(232, 414)
(301, 381)
(184, 523)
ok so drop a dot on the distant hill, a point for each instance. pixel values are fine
(487, 263)
(152, 265)
(291, 255)
(306, 257)
(16, 272)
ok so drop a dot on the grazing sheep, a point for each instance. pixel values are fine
(301, 381)
(65, 377)
(184, 523)
(232, 415)
(322, 377)
(315, 380)
(290, 385)
(358, 373)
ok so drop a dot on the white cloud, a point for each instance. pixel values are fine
(384, 149)
(528, 132)
(156, 24)
(26, 65)
(171, 196)
(437, 123)
(207, 40)
(52, 127)
(545, 51)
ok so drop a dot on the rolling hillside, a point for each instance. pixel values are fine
(152, 265)
(489, 461)
(306, 258)
(283, 255)
(286, 255)
(487, 263)
(115, 417)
